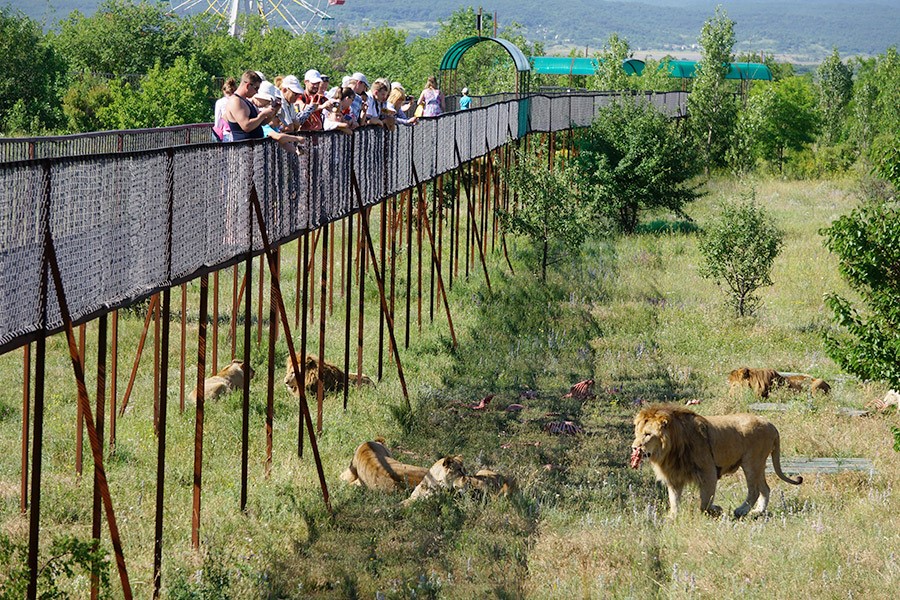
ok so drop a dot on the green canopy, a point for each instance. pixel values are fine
(563, 65)
(451, 58)
(687, 69)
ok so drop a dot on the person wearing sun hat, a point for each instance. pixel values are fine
(312, 79)
(359, 84)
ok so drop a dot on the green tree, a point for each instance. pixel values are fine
(30, 79)
(634, 158)
(867, 244)
(550, 212)
(784, 116)
(124, 37)
(835, 81)
(738, 249)
(873, 118)
(84, 100)
(380, 52)
(610, 76)
(176, 95)
(711, 105)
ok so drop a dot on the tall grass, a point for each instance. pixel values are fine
(631, 313)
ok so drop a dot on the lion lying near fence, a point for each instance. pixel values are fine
(225, 381)
(684, 447)
(332, 376)
(372, 466)
(449, 473)
(762, 381)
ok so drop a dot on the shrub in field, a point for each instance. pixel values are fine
(550, 213)
(69, 557)
(867, 243)
(634, 158)
(738, 250)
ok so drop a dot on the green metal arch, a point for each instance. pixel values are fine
(451, 58)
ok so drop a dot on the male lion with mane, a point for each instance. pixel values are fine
(684, 447)
(332, 376)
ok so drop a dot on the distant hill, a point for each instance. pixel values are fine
(801, 29)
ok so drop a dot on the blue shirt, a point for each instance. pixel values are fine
(465, 102)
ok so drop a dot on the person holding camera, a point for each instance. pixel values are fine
(244, 119)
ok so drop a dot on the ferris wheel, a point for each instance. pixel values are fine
(299, 16)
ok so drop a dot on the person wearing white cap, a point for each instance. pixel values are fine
(359, 84)
(465, 101)
(290, 91)
(244, 118)
(309, 98)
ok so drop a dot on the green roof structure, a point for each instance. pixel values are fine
(565, 65)
(687, 69)
(451, 59)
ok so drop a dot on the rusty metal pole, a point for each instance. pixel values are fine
(409, 218)
(183, 347)
(346, 242)
(234, 309)
(301, 383)
(113, 378)
(419, 219)
(26, 410)
(156, 325)
(101, 400)
(245, 398)
(394, 213)
(161, 444)
(34, 517)
(320, 385)
(137, 358)
(215, 324)
(361, 261)
(259, 317)
(79, 416)
(270, 378)
(383, 252)
(301, 264)
(198, 429)
(331, 272)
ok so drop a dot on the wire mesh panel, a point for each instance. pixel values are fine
(400, 157)
(108, 218)
(540, 113)
(209, 210)
(21, 243)
(445, 159)
(582, 111)
(492, 127)
(479, 133)
(424, 135)
(369, 163)
(560, 113)
(464, 135)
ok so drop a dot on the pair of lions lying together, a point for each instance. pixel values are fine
(762, 381)
(372, 466)
(684, 447)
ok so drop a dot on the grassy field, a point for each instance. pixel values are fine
(633, 314)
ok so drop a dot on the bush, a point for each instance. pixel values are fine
(867, 243)
(634, 158)
(739, 249)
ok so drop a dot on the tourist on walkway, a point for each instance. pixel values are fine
(221, 131)
(359, 84)
(431, 99)
(312, 96)
(465, 101)
(245, 119)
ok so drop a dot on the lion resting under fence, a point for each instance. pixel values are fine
(684, 447)
(332, 376)
(762, 381)
(372, 466)
(225, 381)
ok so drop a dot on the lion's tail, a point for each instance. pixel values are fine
(776, 462)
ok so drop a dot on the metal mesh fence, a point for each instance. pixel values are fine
(129, 223)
